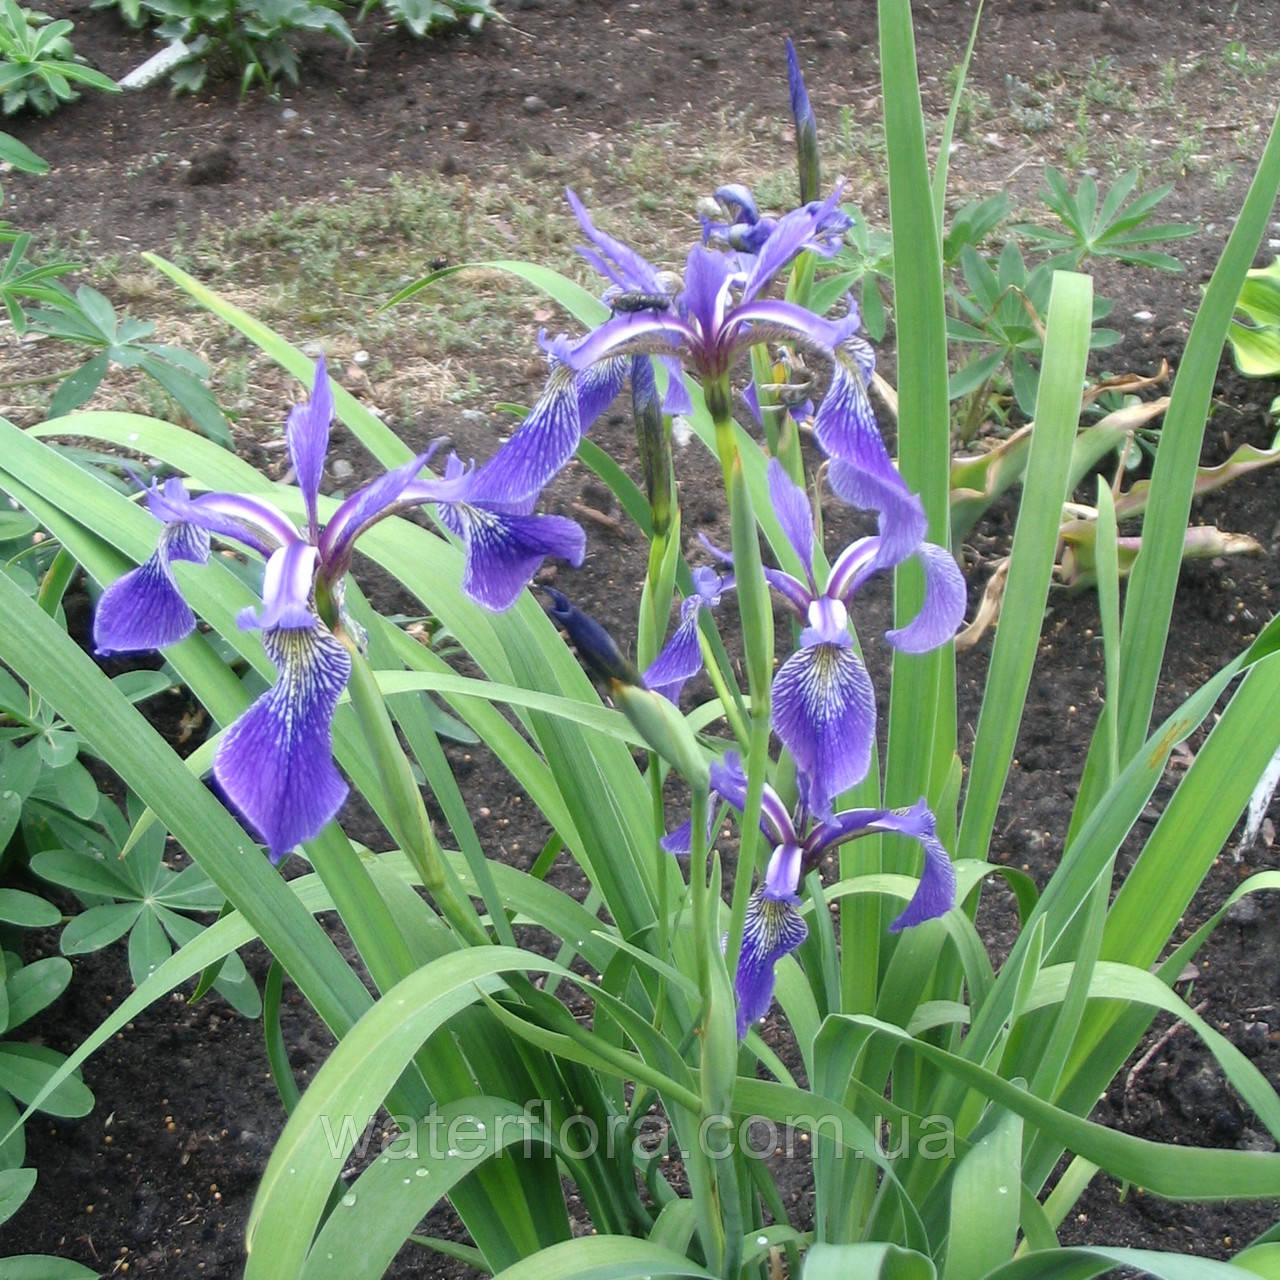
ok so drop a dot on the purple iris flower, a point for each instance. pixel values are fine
(823, 702)
(732, 220)
(681, 656)
(774, 926)
(736, 224)
(720, 312)
(145, 609)
(275, 763)
(504, 542)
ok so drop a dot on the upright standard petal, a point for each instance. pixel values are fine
(824, 713)
(612, 259)
(307, 433)
(275, 763)
(144, 609)
(286, 589)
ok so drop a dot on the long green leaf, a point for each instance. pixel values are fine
(1149, 600)
(352, 1084)
(1035, 542)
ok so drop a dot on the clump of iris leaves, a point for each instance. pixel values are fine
(891, 1017)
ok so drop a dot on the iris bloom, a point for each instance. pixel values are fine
(774, 926)
(721, 311)
(275, 762)
(823, 703)
(681, 656)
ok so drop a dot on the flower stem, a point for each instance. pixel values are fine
(407, 814)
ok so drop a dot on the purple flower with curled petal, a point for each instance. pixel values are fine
(823, 702)
(145, 609)
(275, 763)
(774, 925)
(681, 656)
(504, 542)
(721, 311)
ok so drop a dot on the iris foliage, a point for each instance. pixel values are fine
(936, 1090)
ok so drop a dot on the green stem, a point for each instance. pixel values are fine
(411, 825)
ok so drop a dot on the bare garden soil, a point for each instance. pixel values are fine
(158, 1180)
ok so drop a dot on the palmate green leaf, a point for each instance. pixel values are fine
(26, 909)
(353, 1082)
(15, 1187)
(98, 927)
(603, 1258)
(34, 987)
(20, 156)
(82, 873)
(27, 1070)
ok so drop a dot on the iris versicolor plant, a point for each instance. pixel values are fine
(275, 763)
(939, 1092)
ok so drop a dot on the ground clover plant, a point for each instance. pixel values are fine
(620, 1061)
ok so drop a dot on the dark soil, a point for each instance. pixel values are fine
(158, 1180)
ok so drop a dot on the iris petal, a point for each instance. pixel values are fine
(366, 506)
(936, 893)
(861, 471)
(541, 445)
(791, 506)
(307, 433)
(144, 609)
(597, 386)
(824, 713)
(943, 607)
(681, 656)
(286, 589)
(504, 550)
(615, 261)
(275, 763)
(729, 782)
(773, 928)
